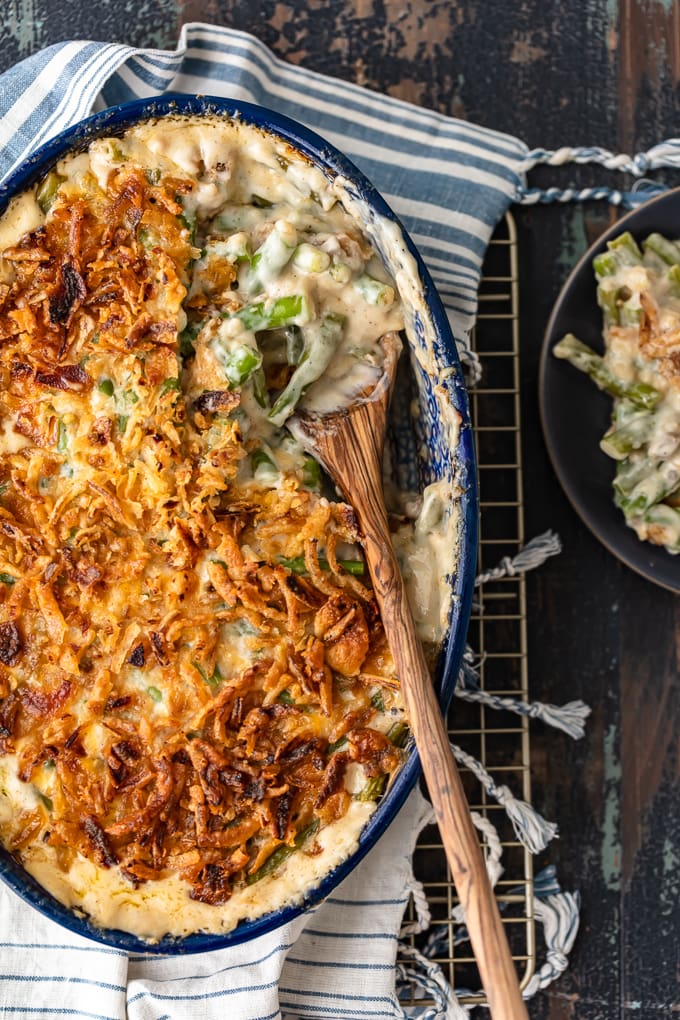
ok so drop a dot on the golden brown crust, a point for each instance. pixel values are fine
(175, 686)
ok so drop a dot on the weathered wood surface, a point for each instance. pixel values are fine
(556, 72)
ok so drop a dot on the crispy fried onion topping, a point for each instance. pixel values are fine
(187, 671)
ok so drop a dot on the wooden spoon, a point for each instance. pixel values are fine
(349, 443)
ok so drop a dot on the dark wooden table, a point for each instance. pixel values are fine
(554, 73)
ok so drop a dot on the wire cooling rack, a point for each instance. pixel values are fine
(497, 633)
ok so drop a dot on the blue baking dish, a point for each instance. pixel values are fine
(441, 382)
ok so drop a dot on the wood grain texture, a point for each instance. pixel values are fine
(554, 72)
(349, 444)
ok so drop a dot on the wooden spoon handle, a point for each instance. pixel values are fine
(458, 834)
(356, 468)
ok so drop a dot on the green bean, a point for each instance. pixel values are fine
(295, 345)
(378, 701)
(668, 251)
(271, 257)
(240, 363)
(661, 515)
(310, 258)
(373, 789)
(169, 385)
(282, 853)
(298, 566)
(340, 272)
(214, 680)
(656, 486)
(606, 299)
(321, 340)
(673, 278)
(259, 382)
(187, 337)
(62, 441)
(398, 734)
(605, 264)
(586, 360)
(619, 442)
(336, 745)
(263, 467)
(47, 192)
(629, 473)
(311, 474)
(284, 311)
(626, 250)
(259, 457)
(374, 291)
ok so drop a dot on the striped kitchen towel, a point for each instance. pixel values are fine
(450, 182)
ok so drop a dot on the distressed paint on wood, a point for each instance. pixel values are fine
(554, 72)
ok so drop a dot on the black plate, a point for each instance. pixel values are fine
(575, 414)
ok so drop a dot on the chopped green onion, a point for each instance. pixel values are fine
(7, 579)
(122, 423)
(286, 698)
(106, 387)
(153, 175)
(47, 801)
(154, 693)
(261, 203)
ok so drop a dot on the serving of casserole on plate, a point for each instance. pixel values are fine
(198, 707)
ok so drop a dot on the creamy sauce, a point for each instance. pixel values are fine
(166, 909)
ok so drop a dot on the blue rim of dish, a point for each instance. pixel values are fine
(115, 120)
